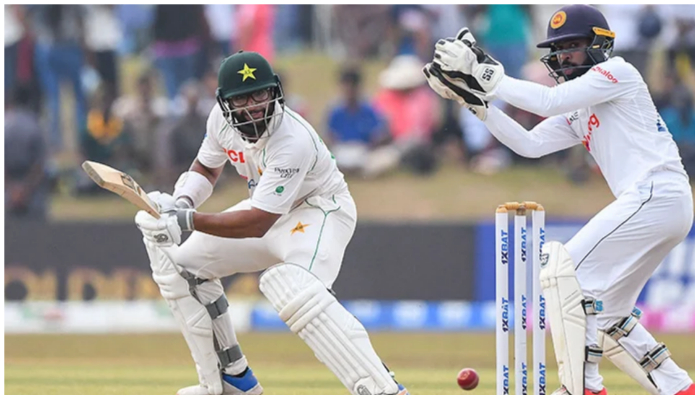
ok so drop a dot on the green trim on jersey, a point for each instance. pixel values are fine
(310, 134)
(224, 125)
(320, 233)
(264, 156)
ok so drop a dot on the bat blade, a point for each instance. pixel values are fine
(121, 184)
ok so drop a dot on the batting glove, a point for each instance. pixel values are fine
(167, 230)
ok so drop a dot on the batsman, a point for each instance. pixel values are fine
(295, 226)
(591, 283)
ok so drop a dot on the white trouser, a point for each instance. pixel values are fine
(313, 235)
(617, 252)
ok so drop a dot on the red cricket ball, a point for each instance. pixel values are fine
(467, 379)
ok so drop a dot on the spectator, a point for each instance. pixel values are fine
(179, 34)
(207, 95)
(411, 110)
(221, 20)
(507, 35)
(411, 30)
(255, 33)
(103, 35)
(142, 113)
(288, 29)
(292, 99)
(634, 29)
(679, 35)
(181, 142)
(26, 186)
(59, 54)
(104, 138)
(13, 34)
(136, 22)
(448, 19)
(677, 109)
(355, 128)
(360, 29)
(487, 155)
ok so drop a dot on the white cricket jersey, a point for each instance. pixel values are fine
(608, 109)
(283, 169)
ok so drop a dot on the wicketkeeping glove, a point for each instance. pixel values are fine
(449, 89)
(462, 60)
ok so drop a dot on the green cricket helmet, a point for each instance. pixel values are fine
(250, 95)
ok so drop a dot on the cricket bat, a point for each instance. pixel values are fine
(122, 184)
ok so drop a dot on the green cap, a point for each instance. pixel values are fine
(245, 72)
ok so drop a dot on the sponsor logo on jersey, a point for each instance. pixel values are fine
(605, 73)
(593, 122)
(235, 156)
(286, 173)
(572, 117)
(252, 184)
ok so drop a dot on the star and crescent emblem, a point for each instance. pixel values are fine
(247, 72)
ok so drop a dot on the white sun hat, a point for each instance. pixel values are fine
(404, 72)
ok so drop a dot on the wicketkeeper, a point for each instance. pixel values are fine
(592, 283)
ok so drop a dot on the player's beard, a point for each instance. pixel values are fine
(261, 116)
(572, 70)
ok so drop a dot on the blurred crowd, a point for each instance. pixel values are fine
(64, 66)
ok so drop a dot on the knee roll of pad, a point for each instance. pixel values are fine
(337, 338)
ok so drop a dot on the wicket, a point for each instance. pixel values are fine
(520, 299)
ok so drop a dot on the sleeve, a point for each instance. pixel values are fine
(283, 177)
(211, 154)
(602, 83)
(549, 136)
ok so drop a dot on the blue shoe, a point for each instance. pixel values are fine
(402, 390)
(246, 384)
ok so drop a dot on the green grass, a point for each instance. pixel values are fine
(427, 363)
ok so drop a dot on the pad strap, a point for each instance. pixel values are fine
(217, 307)
(592, 306)
(625, 326)
(192, 281)
(594, 354)
(230, 355)
(653, 359)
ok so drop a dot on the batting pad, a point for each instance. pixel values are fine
(193, 319)
(336, 337)
(567, 318)
(616, 352)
